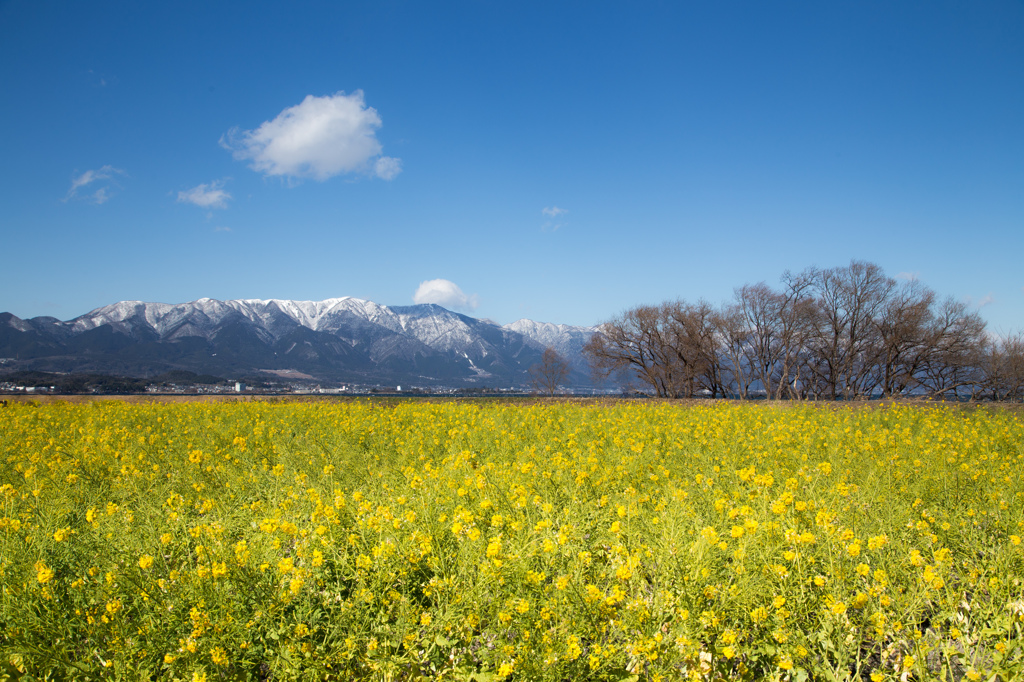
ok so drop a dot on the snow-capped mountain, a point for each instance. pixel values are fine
(347, 339)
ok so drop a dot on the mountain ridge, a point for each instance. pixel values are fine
(336, 339)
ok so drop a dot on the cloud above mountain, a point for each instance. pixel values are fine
(446, 294)
(319, 138)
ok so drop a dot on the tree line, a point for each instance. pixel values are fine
(841, 333)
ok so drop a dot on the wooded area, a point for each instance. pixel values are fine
(848, 332)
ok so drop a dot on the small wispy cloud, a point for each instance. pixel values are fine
(909, 276)
(553, 213)
(103, 182)
(97, 79)
(979, 303)
(222, 228)
(444, 293)
(318, 138)
(211, 195)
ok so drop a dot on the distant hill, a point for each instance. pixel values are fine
(337, 340)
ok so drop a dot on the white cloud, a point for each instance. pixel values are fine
(210, 195)
(444, 293)
(387, 167)
(318, 138)
(222, 228)
(102, 180)
(554, 211)
(909, 276)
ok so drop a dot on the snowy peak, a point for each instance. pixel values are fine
(337, 337)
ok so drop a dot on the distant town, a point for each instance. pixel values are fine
(73, 384)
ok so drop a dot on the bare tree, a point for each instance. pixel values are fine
(691, 334)
(759, 305)
(1003, 367)
(670, 348)
(627, 343)
(798, 317)
(956, 341)
(550, 372)
(732, 344)
(903, 335)
(844, 345)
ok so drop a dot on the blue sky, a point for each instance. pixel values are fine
(561, 161)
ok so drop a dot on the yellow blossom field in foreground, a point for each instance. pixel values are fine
(489, 541)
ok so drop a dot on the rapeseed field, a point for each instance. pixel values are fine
(485, 541)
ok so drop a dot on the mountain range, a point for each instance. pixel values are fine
(336, 340)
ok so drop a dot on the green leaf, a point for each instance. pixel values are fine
(482, 677)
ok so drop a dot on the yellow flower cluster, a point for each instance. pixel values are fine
(599, 541)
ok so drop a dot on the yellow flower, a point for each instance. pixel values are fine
(145, 561)
(219, 656)
(737, 531)
(572, 649)
(728, 652)
(61, 534)
(44, 574)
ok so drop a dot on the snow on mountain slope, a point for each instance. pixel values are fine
(435, 326)
(424, 340)
(567, 340)
(550, 334)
